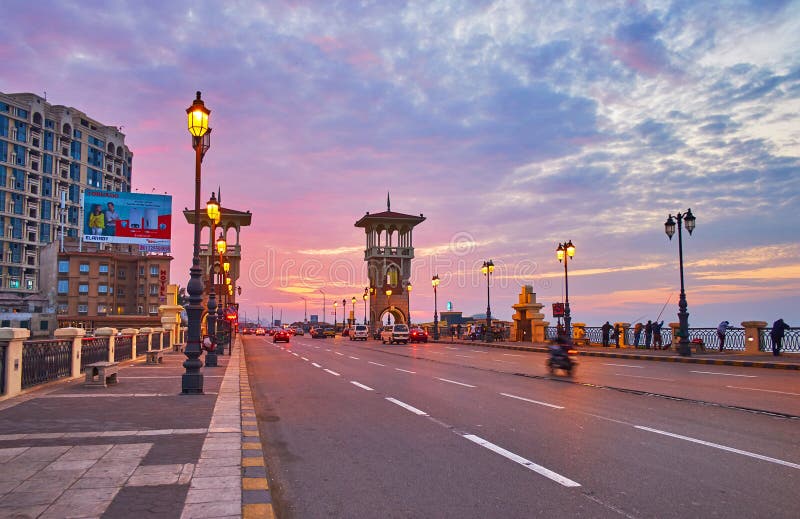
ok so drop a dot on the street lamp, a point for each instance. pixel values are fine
(435, 284)
(192, 379)
(688, 220)
(487, 269)
(335, 305)
(323, 305)
(365, 296)
(408, 288)
(344, 309)
(565, 252)
(212, 210)
(353, 300)
(389, 303)
(221, 247)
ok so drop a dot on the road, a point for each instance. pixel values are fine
(369, 430)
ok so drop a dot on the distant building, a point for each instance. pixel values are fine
(104, 285)
(48, 151)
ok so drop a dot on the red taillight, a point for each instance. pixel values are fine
(572, 352)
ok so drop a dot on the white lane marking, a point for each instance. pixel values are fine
(751, 389)
(476, 351)
(406, 406)
(511, 355)
(454, 382)
(331, 372)
(465, 356)
(337, 353)
(377, 363)
(436, 352)
(532, 401)
(354, 358)
(326, 349)
(648, 378)
(451, 348)
(305, 359)
(558, 478)
(622, 365)
(295, 354)
(315, 365)
(405, 370)
(362, 386)
(721, 447)
(724, 374)
(503, 361)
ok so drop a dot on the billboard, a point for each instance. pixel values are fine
(132, 218)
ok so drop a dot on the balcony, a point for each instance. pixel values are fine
(389, 252)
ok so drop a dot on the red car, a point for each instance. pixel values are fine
(417, 335)
(281, 336)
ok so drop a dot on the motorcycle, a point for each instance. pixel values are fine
(564, 358)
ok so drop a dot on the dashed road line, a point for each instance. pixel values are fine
(405, 370)
(454, 382)
(315, 365)
(465, 356)
(362, 386)
(765, 390)
(407, 407)
(354, 358)
(377, 363)
(622, 365)
(338, 353)
(723, 374)
(305, 359)
(532, 401)
(331, 372)
(511, 355)
(648, 378)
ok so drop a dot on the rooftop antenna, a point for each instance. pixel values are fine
(388, 202)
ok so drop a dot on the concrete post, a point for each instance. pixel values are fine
(133, 332)
(578, 332)
(752, 336)
(155, 338)
(111, 334)
(149, 333)
(676, 330)
(14, 337)
(622, 328)
(76, 335)
(170, 325)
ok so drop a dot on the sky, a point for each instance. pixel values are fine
(511, 125)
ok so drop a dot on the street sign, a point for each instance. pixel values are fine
(558, 309)
(314, 318)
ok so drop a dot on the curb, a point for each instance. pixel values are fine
(256, 496)
(634, 356)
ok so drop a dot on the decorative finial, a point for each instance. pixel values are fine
(388, 202)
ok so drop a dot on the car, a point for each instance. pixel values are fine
(317, 333)
(345, 332)
(281, 336)
(247, 331)
(261, 331)
(395, 333)
(359, 332)
(329, 332)
(417, 335)
(299, 331)
(272, 331)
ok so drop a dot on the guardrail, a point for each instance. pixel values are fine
(790, 343)
(123, 347)
(93, 349)
(164, 340)
(141, 343)
(44, 361)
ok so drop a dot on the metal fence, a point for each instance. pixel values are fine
(123, 347)
(93, 349)
(164, 340)
(790, 343)
(551, 333)
(44, 361)
(141, 343)
(3, 368)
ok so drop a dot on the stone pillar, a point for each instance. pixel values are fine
(133, 332)
(752, 336)
(76, 335)
(622, 328)
(13, 337)
(171, 326)
(676, 337)
(157, 336)
(111, 334)
(148, 332)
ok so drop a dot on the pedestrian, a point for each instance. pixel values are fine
(458, 331)
(778, 331)
(648, 334)
(111, 219)
(657, 341)
(559, 332)
(721, 329)
(606, 328)
(208, 344)
(637, 334)
(97, 220)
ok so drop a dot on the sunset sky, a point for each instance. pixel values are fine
(511, 125)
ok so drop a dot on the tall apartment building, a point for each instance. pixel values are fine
(48, 152)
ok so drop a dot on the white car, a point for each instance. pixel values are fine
(395, 333)
(359, 332)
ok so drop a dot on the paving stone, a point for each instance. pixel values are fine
(86, 452)
(211, 510)
(23, 512)
(174, 450)
(128, 451)
(24, 499)
(70, 465)
(164, 501)
(7, 455)
(8, 486)
(41, 454)
(20, 472)
(84, 502)
(151, 475)
(217, 482)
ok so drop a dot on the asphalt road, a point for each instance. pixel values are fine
(366, 430)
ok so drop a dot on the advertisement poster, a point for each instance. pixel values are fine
(131, 218)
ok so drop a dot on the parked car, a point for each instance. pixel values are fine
(329, 332)
(299, 331)
(360, 332)
(261, 331)
(317, 333)
(281, 336)
(395, 333)
(417, 335)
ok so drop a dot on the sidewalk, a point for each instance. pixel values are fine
(135, 449)
(728, 358)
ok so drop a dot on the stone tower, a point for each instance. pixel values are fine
(388, 254)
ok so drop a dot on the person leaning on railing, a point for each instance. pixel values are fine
(776, 334)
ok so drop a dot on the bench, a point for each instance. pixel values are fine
(155, 356)
(178, 346)
(100, 374)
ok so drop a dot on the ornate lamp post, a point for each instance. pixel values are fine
(354, 310)
(344, 309)
(409, 287)
(389, 303)
(324, 317)
(688, 220)
(212, 210)
(335, 319)
(366, 292)
(565, 252)
(487, 269)
(192, 379)
(221, 248)
(435, 284)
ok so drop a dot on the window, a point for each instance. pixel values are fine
(83, 288)
(101, 309)
(44, 325)
(83, 309)
(141, 271)
(102, 289)
(153, 289)
(13, 283)
(103, 269)
(63, 266)
(141, 290)
(29, 284)
(121, 273)
(84, 269)
(153, 270)
(153, 309)
(140, 309)
(62, 308)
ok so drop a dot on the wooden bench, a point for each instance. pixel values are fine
(155, 356)
(100, 374)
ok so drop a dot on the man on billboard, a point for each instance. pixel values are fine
(112, 217)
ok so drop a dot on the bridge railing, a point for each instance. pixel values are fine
(45, 361)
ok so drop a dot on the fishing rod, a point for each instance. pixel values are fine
(663, 308)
